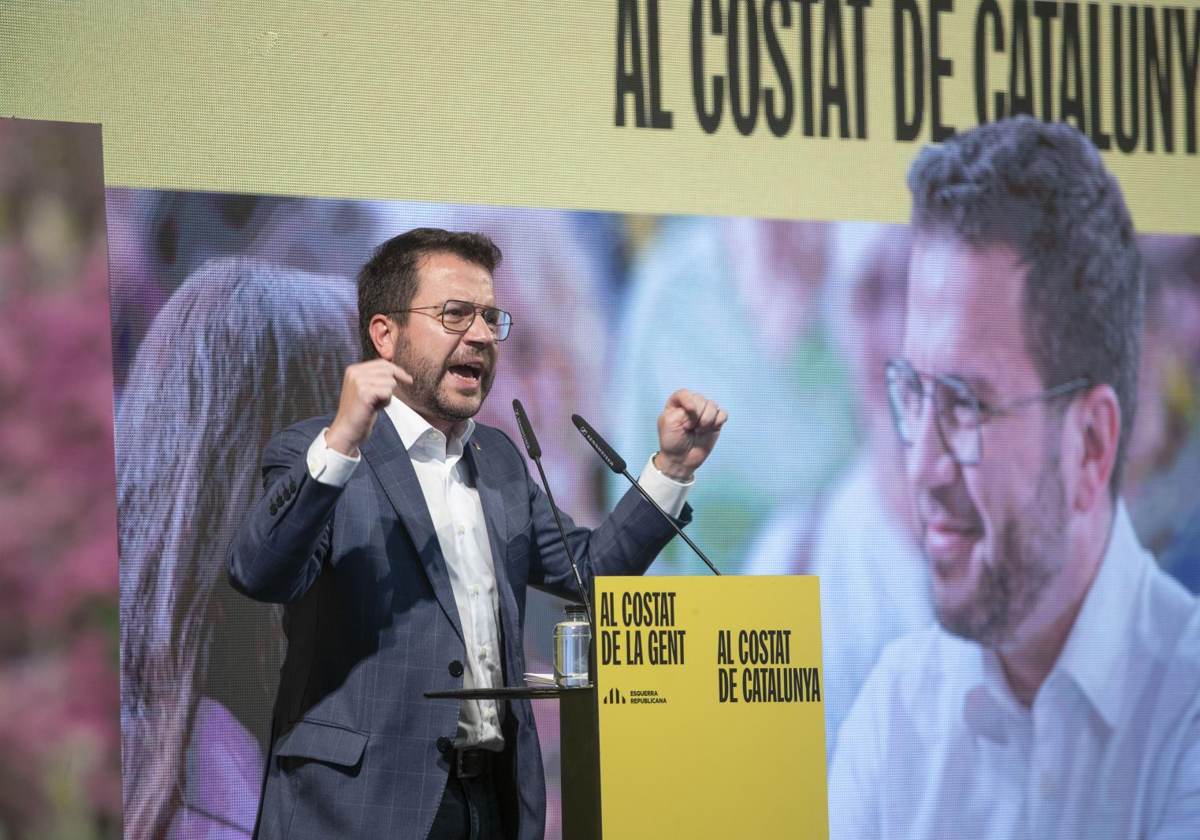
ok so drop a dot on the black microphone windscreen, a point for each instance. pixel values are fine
(607, 454)
(527, 435)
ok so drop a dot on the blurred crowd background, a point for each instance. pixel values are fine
(232, 316)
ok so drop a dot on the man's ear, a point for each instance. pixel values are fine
(1097, 422)
(383, 336)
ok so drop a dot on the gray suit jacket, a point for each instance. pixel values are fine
(356, 749)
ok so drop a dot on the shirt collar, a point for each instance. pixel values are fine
(415, 430)
(1099, 652)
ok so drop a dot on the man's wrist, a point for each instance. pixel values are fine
(671, 495)
(672, 469)
(328, 466)
(339, 443)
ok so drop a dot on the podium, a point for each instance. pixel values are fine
(706, 717)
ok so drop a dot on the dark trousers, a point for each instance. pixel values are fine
(470, 810)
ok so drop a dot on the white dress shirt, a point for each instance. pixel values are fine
(938, 746)
(457, 514)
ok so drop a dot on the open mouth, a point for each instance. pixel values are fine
(468, 372)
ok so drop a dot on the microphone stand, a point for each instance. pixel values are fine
(617, 464)
(534, 450)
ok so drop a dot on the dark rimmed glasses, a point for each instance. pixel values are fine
(458, 316)
(958, 413)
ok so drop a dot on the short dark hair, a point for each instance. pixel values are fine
(388, 281)
(1042, 190)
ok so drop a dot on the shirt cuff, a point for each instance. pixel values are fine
(669, 493)
(329, 466)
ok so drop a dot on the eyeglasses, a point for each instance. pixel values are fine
(958, 412)
(458, 316)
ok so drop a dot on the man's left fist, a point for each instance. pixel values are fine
(687, 430)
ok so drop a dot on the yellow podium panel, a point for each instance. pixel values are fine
(710, 707)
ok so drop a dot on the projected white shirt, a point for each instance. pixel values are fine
(937, 745)
(458, 520)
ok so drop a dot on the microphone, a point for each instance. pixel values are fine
(532, 447)
(535, 454)
(617, 464)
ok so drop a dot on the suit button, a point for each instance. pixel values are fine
(292, 486)
(287, 493)
(274, 509)
(456, 668)
(444, 744)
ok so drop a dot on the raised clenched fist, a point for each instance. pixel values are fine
(688, 429)
(366, 388)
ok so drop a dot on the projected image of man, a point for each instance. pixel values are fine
(1058, 694)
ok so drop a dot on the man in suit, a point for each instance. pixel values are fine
(401, 535)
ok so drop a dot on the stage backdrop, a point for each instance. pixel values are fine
(702, 194)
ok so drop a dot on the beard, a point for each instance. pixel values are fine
(1027, 554)
(428, 375)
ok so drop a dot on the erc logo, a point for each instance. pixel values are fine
(643, 697)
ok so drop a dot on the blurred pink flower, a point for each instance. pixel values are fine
(59, 694)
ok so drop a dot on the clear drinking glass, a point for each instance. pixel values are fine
(572, 637)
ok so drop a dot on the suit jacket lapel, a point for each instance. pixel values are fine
(390, 461)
